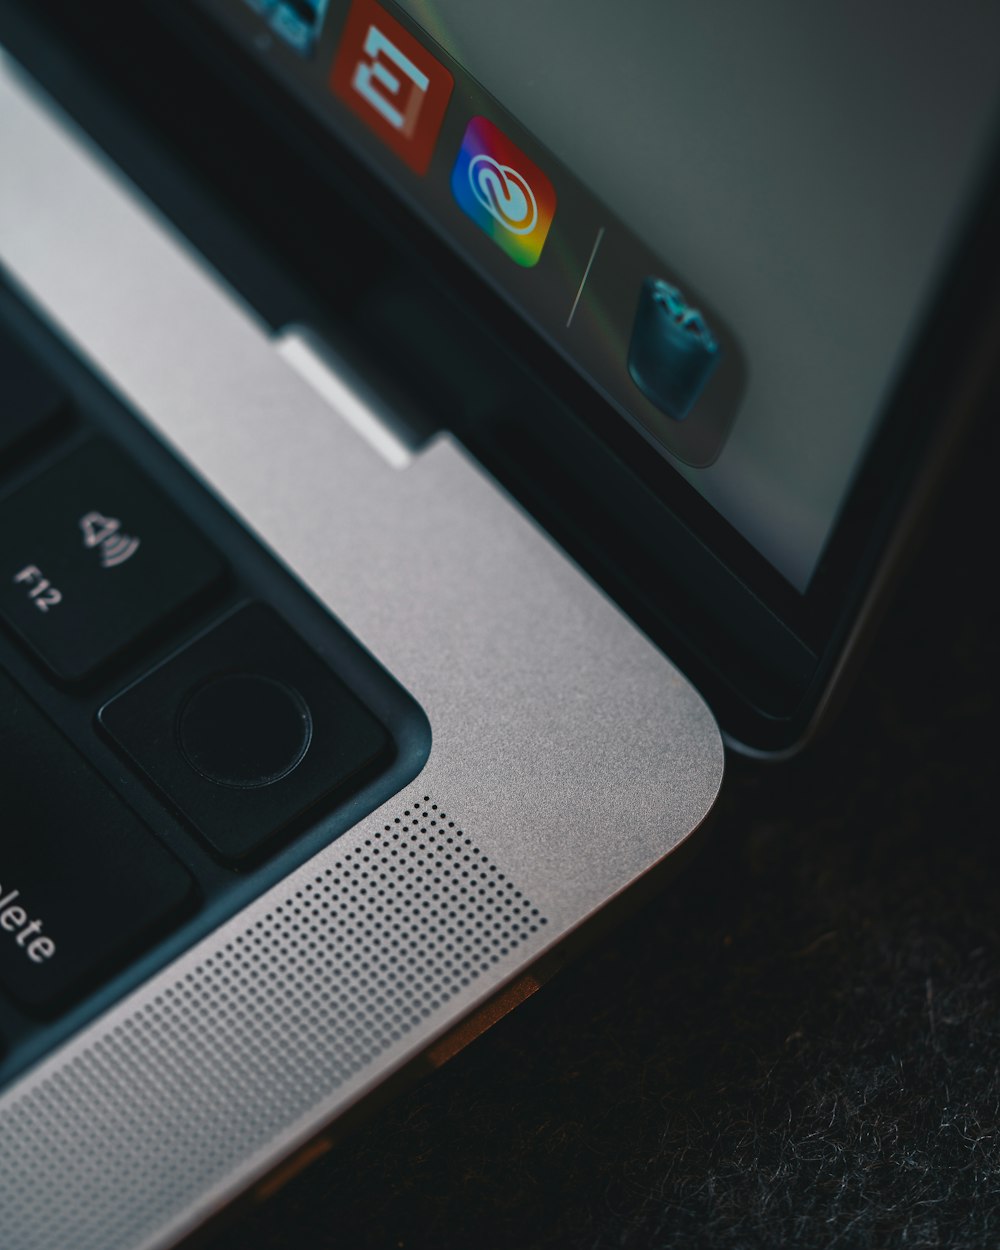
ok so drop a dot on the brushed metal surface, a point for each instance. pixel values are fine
(568, 745)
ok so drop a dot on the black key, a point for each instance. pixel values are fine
(92, 556)
(245, 730)
(83, 884)
(29, 398)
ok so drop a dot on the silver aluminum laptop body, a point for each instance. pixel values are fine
(569, 756)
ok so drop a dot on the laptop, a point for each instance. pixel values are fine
(432, 439)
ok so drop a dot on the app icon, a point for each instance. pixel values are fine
(298, 22)
(673, 353)
(505, 194)
(391, 82)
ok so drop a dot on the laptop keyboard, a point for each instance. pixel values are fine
(180, 723)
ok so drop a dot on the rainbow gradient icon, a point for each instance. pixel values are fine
(505, 194)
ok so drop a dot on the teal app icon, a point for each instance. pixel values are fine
(673, 352)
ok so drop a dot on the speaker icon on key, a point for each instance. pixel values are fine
(105, 533)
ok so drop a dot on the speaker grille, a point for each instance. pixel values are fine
(138, 1126)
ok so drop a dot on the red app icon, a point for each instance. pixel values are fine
(391, 82)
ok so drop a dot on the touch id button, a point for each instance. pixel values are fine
(246, 730)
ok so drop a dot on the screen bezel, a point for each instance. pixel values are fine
(765, 701)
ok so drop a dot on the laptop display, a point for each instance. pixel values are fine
(695, 208)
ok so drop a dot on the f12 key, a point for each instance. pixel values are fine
(92, 556)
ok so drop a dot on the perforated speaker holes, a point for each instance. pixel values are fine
(171, 1097)
(414, 914)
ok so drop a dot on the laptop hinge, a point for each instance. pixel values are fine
(331, 377)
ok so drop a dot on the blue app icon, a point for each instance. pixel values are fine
(298, 22)
(673, 353)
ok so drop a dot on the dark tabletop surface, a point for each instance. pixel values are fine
(796, 1044)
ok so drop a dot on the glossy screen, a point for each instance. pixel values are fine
(730, 218)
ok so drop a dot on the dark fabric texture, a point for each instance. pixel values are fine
(796, 1044)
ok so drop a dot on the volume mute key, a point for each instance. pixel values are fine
(92, 556)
